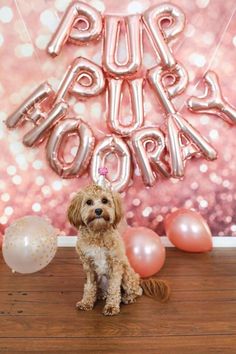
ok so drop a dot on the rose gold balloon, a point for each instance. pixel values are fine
(44, 116)
(114, 103)
(151, 161)
(144, 250)
(178, 76)
(55, 147)
(159, 35)
(23, 113)
(213, 101)
(195, 144)
(43, 129)
(72, 81)
(177, 127)
(112, 145)
(188, 231)
(66, 31)
(133, 62)
(154, 77)
(29, 244)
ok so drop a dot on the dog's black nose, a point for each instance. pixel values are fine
(98, 211)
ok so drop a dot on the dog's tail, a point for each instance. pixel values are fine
(155, 288)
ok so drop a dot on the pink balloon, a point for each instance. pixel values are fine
(188, 231)
(144, 250)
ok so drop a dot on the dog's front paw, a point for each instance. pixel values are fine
(84, 306)
(128, 299)
(110, 310)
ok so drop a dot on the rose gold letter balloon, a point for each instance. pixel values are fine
(44, 117)
(144, 250)
(114, 103)
(72, 81)
(179, 77)
(150, 161)
(77, 11)
(40, 131)
(112, 145)
(134, 45)
(213, 102)
(188, 231)
(30, 243)
(159, 35)
(177, 127)
(55, 148)
(195, 143)
(43, 93)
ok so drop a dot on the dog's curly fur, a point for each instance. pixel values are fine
(102, 252)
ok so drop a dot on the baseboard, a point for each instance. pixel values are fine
(226, 241)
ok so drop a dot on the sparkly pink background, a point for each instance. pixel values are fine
(28, 186)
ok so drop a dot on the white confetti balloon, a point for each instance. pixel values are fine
(30, 243)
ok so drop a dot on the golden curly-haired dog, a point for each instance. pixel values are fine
(96, 212)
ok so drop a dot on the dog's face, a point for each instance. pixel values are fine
(95, 208)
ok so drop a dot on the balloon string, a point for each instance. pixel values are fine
(212, 57)
(220, 41)
(29, 36)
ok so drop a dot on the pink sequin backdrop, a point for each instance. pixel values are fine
(28, 186)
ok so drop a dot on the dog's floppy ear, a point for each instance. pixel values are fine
(118, 208)
(73, 211)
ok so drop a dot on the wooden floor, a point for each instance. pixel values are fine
(37, 312)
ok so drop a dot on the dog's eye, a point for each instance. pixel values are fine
(89, 202)
(104, 200)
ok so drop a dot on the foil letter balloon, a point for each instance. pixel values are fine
(134, 45)
(112, 145)
(72, 81)
(150, 161)
(160, 36)
(179, 77)
(114, 103)
(177, 128)
(194, 143)
(56, 143)
(40, 131)
(41, 95)
(213, 101)
(77, 11)
(41, 116)
(157, 75)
